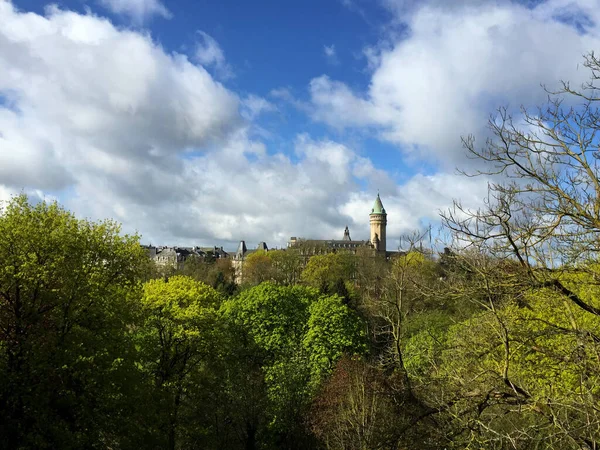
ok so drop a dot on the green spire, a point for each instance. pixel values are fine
(378, 206)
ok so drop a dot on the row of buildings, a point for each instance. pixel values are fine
(177, 256)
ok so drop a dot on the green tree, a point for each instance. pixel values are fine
(68, 291)
(257, 268)
(521, 372)
(332, 330)
(216, 272)
(370, 273)
(179, 334)
(342, 289)
(325, 270)
(298, 335)
(287, 266)
(278, 266)
(403, 293)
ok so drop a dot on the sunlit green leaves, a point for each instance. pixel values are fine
(69, 293)
(300, 334)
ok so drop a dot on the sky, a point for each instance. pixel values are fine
(210, 122)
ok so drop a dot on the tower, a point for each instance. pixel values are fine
(378, 220)
(347, 234)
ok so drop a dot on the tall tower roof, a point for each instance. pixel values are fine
(241, 251)
(378, 206)
(347, 234)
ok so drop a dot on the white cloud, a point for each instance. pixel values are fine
(242, 192)
(404, 10)
(6, 194)
(330, 53)
(253, 106)
(281, 93)
(329, 50)
(458, 63)
(338, 106)
(210, 54)
(415, 204)
(138, 10)
(239, 191)
(116, 127)
(89, 101)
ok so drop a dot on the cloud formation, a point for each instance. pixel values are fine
(92, 104)
(460, 61)
(253, 106)
(330, 54)
(138, 10)
(114, 126)
(210, 54)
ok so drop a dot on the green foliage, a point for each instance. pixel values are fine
(180, 322)
(286, 266)
(426, 339)
(328, 268)
(278, 266)
(462, 352)
(257, 268)
(215, 272)
(274, 316)
(69, 289)
(539, 353)
(333, 329)
(180, 331)
(299, 334)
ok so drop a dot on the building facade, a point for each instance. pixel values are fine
(377, 241)
(176, 256)
(239, 258)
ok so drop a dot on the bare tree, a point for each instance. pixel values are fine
(545, 209)
(541, 219)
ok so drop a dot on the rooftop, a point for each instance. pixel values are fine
(378, 206)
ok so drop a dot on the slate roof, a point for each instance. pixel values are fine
(378, 206)
(243, 251)
(347, 234)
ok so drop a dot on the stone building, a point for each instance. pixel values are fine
(378, 222)
(176, 257)
(309, 247)
(377, 241)
(239, 257)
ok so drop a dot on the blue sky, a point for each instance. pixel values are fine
(214, 121)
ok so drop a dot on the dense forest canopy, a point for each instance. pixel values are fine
(493, 343)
